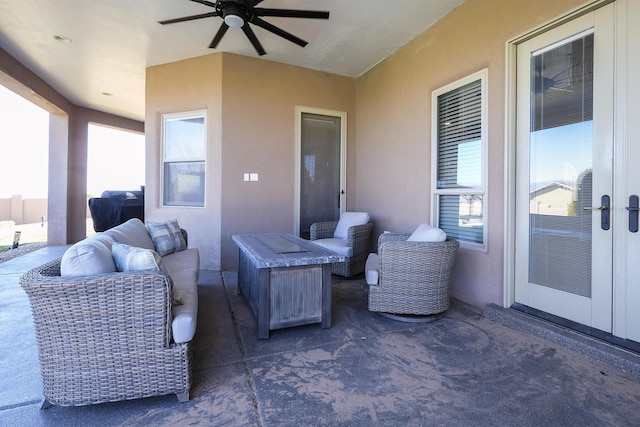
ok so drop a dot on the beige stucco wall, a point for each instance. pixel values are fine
(259, 100)
(194, 84)
(251, 115)
(393, 156)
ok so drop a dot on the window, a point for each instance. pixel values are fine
(459, 146)
(183, 160)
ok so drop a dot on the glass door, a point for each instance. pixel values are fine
(564, 171)
(320, 172)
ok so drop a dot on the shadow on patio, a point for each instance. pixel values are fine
(464, 369)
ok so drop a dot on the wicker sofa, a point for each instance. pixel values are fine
(349, 236)
(410, 277)
(108, 335)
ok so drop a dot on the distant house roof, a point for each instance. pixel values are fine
(538, 188)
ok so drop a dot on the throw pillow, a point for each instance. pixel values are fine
(427, 233)
(167, 237)
(131, 259)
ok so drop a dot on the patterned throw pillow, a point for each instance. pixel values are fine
(130, 259)
(167, 237)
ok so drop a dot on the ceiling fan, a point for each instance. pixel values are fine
(241, 13)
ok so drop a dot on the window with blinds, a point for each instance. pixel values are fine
(459, 146)
(184, 158)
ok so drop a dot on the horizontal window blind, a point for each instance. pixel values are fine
(461, 217)
(459, 126)
(459, 187)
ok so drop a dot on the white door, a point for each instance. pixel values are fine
(564, 170)
(627, 177)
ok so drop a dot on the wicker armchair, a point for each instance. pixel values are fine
(106, 337)
(413, 276)
(358, 238)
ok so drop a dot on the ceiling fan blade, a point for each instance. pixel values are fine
(216, 39)
(253, 39)
(205, 2)
(188, 18)
(278, 31)
(291, 13)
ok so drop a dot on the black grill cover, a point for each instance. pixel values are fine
(116, 207)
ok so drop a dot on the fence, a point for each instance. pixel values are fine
(23, 211)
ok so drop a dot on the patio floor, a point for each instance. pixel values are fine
(498, 368)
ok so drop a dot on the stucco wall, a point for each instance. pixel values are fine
(393, 157)
(259, 100)
(251, 115)
(194, 84)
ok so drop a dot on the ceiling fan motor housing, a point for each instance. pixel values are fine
(239, 8)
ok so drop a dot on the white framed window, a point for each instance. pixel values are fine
(459, 146)
(184, 149)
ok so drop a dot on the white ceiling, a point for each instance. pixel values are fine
(113, 41)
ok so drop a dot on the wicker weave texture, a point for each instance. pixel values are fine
(105, 338)
(358, 238)
(414, 276)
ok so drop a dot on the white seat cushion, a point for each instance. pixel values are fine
(338, 246)
(372, 269)
(427, 233)
(349, 219)
(183, 267)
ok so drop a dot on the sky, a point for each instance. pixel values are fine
(115, 158)
(24, 134)
(561, 153)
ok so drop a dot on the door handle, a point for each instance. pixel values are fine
(633, 209)
(605, 215)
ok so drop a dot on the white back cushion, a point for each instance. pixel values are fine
(349, 219)
(427, 233)
(132, 233)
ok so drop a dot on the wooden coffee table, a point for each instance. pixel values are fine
(285, 279)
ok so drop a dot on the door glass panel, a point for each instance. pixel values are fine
(320, 171)
(561, 166)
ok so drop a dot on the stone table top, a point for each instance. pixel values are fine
(283, 250)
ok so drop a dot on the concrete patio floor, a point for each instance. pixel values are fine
(498, 367)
